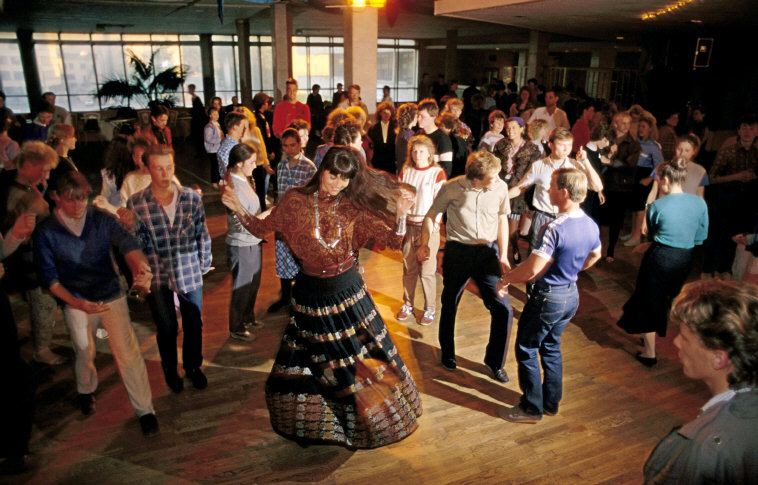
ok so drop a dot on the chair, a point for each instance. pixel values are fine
(143, 116)
(91, 127)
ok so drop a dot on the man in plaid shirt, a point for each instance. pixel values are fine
(293, 170)
(170, 222)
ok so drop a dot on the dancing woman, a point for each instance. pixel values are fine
(677, 222)
(337, 377)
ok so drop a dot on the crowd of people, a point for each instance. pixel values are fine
(512, 185)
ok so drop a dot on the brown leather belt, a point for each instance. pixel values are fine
(331, 270)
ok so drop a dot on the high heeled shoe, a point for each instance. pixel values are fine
(646, 361)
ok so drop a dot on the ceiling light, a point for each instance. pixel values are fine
(696, 21)
(665, 9)
(619, 37)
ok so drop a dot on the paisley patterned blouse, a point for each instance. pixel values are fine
(294, 218)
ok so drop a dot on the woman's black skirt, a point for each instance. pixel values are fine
(662, 274)
(338, 377)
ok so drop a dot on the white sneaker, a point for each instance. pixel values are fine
(404, 312)
(625, 237)
(428, 317)
(101, 333)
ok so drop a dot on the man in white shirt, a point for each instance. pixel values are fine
(555, 116)
(540, 174)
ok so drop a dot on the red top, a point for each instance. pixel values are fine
(286, 112)
(294, 218)
(581, 132)
(153, 134)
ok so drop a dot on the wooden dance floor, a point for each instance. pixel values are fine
(613, 411)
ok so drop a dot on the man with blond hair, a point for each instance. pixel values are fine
(540, 174)
(477, 208)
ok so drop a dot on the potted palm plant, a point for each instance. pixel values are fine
(145, 83)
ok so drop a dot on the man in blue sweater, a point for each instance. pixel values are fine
(568, 244)
(72, 250)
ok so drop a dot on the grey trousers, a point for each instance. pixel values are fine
(245, 263)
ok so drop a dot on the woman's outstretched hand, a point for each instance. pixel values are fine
(404, 202)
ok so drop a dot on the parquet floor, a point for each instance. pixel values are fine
(613, 411)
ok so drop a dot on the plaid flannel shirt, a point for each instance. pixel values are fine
(288, 177)
(179, 254)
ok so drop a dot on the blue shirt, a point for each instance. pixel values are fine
(222, 155)
(180, 253)
(678, 220)
(650, 154)
(82, 264)
(288, 177)
(566, 242)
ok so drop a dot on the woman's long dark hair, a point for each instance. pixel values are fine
(369, 189)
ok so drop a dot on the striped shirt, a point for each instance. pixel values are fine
(428, 181)
(180, 253)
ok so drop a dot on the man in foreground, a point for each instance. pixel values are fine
(717, 342)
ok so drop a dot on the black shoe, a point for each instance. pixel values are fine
(498, 374)
(646, 361)
(278, 305)
(548, 412)
(199, 381)
(149, 424)
(175, 383)
(86, 403)
(449, 363)
(14, 465)
(243, 335)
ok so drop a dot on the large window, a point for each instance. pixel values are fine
(73, 66)
(262, 64)
(320, 60)
(397, 67)
(12, 81)
(317, 60)
(226, 66)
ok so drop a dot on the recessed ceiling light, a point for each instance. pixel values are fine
(696, 21)
(619, 37)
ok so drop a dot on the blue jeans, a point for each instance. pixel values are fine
(161, 303)
(480, 263)
(546, 315)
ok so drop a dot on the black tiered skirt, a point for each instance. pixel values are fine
(338, 377)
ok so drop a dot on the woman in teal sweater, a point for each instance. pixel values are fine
(677, 222)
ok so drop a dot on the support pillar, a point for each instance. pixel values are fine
(29, 63)
(537, 55)
(451, 55)
(603, 58)
(243, 56)
(282, 46)
(361, 28)
(206, 65)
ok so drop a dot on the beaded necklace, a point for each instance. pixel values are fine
(317, 230)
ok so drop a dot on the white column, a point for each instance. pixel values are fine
(537, 55)
(282, 46)
(361, 27)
